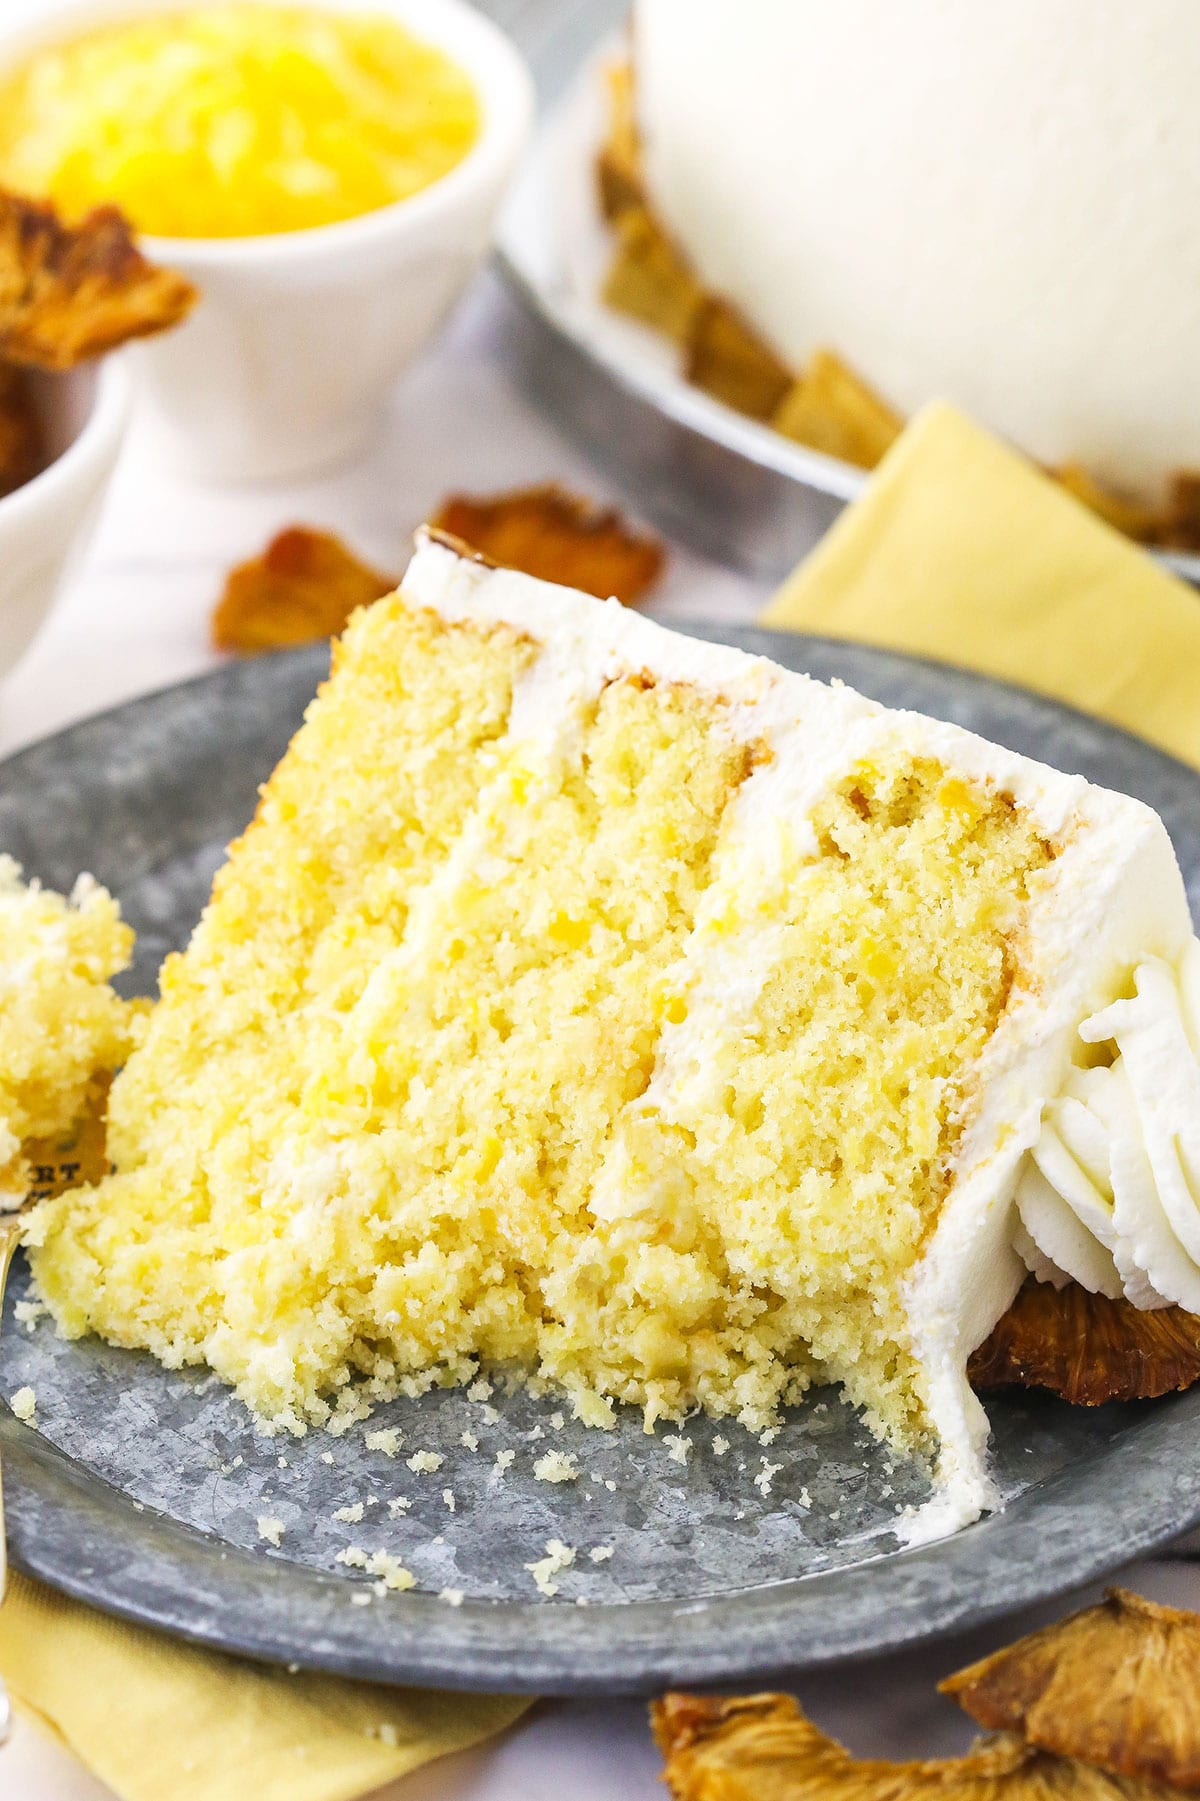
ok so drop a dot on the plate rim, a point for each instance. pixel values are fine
(190, 1583)
(413, 1639)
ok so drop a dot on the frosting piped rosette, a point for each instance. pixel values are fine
(1110, 1194)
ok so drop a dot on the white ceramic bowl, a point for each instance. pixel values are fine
(285, 364)
(45, 524)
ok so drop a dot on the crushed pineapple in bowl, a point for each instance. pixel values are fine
(327, 174)
(237, 119)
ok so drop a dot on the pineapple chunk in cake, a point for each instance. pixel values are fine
(61, 1025)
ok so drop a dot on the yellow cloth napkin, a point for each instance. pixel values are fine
(962, 551)
(160, 1721)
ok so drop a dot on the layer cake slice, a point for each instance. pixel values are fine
(588, 1001)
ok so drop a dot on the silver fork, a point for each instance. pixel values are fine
(10, 1232)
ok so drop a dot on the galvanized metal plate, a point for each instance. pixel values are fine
(141, 1489)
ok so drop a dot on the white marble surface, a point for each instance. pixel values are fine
(135, 618)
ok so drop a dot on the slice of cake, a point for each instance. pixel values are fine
(62, 1027)
(590, 1001)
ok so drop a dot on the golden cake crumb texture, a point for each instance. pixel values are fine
(61, 1024)
(411, 1102)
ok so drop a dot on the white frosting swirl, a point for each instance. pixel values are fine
(1110, 1195)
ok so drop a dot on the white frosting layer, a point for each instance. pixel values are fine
(1111, 1195)
(1111, 901)
(974, 203)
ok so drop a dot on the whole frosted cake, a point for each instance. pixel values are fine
(986, 204)
(589, 1001)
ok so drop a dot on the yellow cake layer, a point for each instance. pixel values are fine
(412, 1102)
(61, 1024)
(799, 1168)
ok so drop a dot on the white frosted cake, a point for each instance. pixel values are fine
(992, 205)
(611, 1007)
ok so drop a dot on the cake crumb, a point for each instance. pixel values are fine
(558, 1557)
(326, 1456)
(490, 1416)
(469, 1441)
(448, 1498)
(720, 1446)
(600, 1553)
(351, 1515)
(425, 1463)
(503, 1461)
(765, 1476)
(383, 1564)
(535, 1434)
(283, 1463)
(398, 1504)
(804, 1499)
(387, 1439)
(453, 1597)
(28, 1313)
(556, 1466)
(557, 1421)
(480, 1390)
(769, 1436)
(270, 1529)
(681, 1447)
(610, 1485)
(24, 1406)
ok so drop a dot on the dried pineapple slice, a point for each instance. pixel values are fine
(1087, 1348)
(303, 586)
(557, 536)
(762, 1748)
(1117, 1686)
(72, 292)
